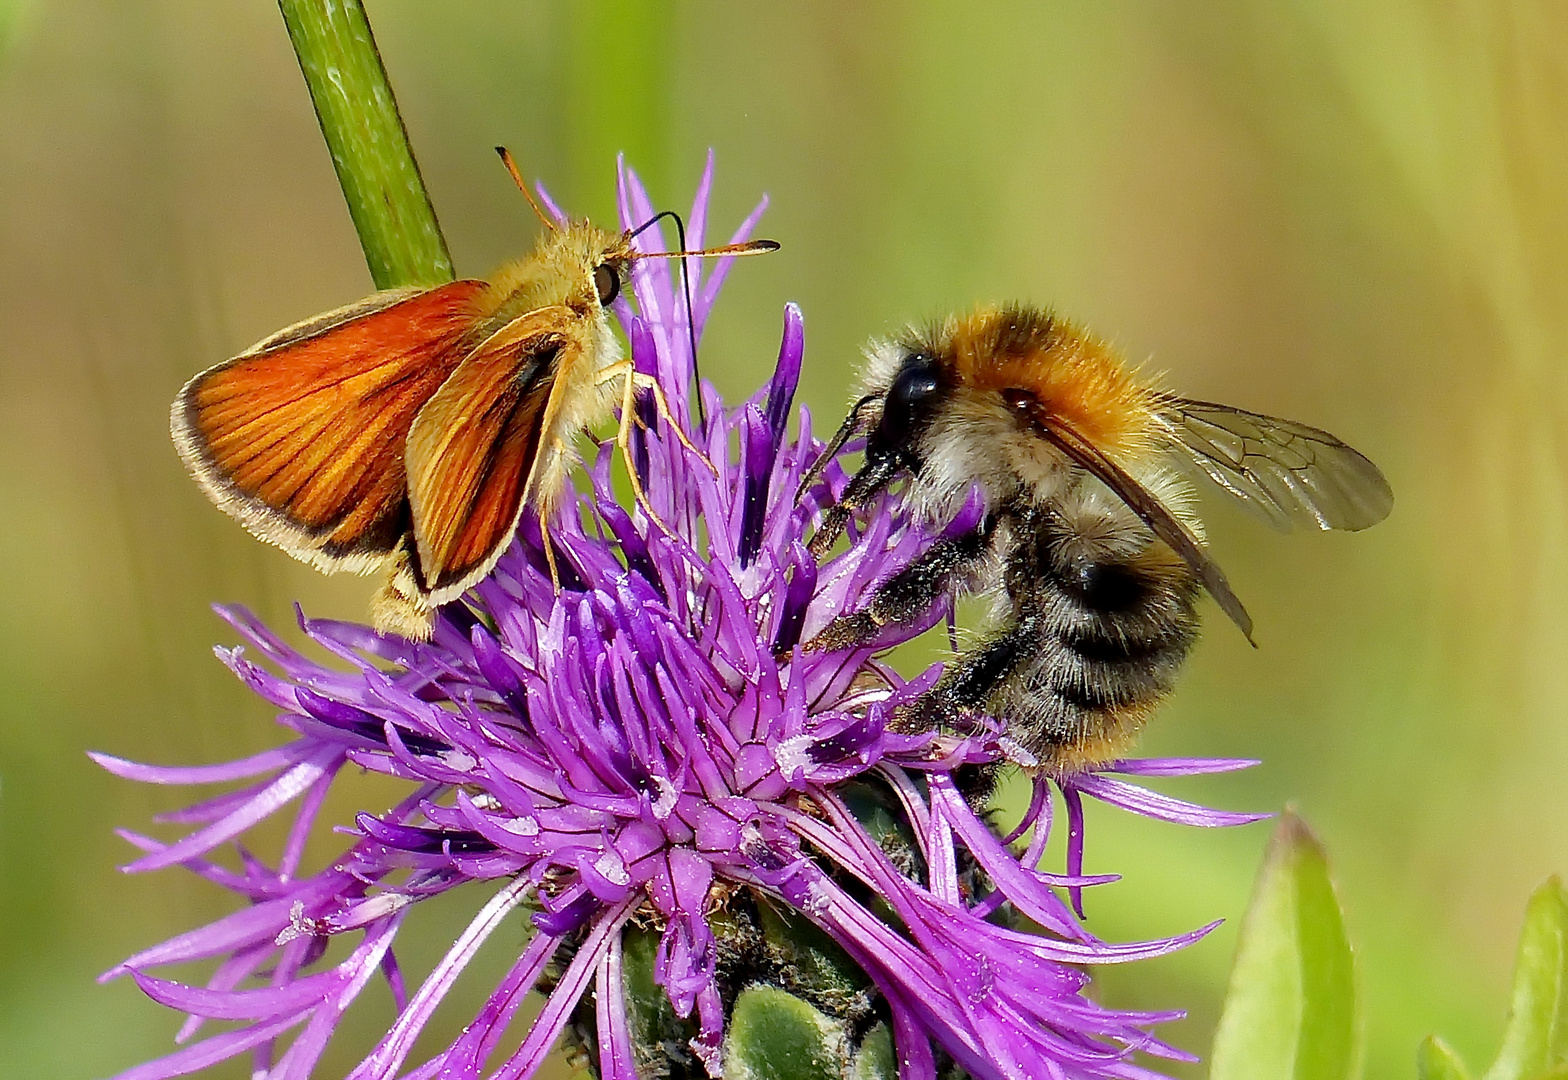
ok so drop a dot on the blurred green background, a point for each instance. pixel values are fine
(1354, 214)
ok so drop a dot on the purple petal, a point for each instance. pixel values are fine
(394, 1048)
(258, 1004)
(1177, 766)
(1074, 842)
(285, 789)
(1027, 893)
(264, 762)
(357, 971)
(721, 270)
(549, 205)
(786, 374)
(617, 1058)
(1153, 804)
(480, 1037)
(759, 449)
(563, 999)
(644, 731)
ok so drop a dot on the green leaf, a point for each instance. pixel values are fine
(811, 963)
(1291, 1010)
(1436, 1060)
(774, 1035)
(364, 132)
(1533, 1037)
(875, 1060)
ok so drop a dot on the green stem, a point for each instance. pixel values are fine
(364, 132)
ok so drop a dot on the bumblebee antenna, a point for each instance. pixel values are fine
(854, 424)
(522, 185)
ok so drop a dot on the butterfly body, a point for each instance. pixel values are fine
(405, 433)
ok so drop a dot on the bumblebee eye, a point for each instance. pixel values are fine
(907, 403)
(607, 282)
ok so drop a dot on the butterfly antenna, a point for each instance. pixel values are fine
(691, 317)
(522, 185)
(749, 247)
(691, 321)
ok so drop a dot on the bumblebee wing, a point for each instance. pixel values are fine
(474, 445)
(301, 437)
(1289, 473)
(1154, 513)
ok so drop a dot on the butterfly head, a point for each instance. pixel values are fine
(576, 266)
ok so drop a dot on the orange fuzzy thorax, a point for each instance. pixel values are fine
(1074, 375)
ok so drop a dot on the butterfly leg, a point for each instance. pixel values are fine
(662, 404)
(549, 557)
(624, 371)
(641, 380)
(632, 380)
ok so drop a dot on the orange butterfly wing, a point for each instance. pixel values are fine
(301, 437)
(474, 446)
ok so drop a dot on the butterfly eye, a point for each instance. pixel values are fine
(607, 282)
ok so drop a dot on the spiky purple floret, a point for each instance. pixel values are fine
(634, 743)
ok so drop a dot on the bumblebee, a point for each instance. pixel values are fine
(1088, 545)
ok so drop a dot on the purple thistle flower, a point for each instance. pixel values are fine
(645, 743)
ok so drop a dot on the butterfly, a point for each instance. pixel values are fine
(406, 433)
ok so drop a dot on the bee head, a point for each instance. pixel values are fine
(893, 421)
(906, 409)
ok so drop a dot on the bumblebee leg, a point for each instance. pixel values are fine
(968, 690)
(910, 593)
(875, 475)
(971, 681)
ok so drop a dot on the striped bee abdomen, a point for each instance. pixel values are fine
(1098, 631)
(1112, 634)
